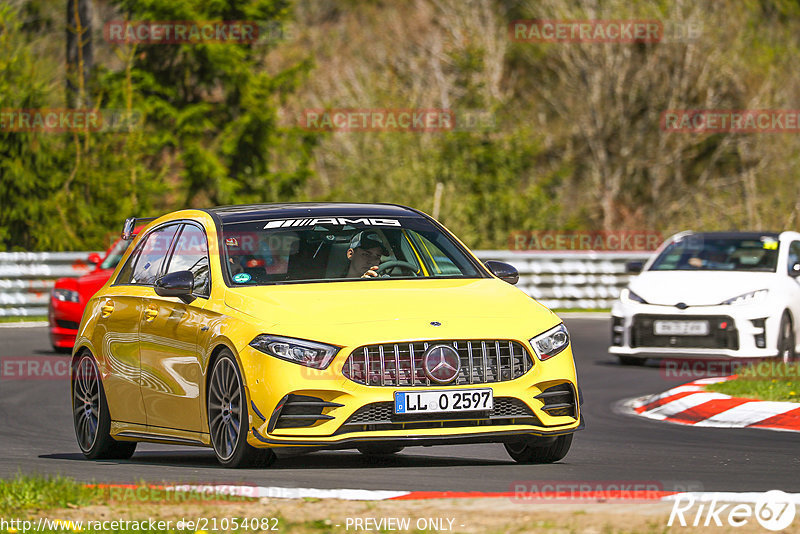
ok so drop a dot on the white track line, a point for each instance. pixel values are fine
(649, 399)
(274, 492)
(682, 404)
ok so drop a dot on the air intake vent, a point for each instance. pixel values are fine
(558, 400)
(296, 411)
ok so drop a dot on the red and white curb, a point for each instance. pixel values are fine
(690, 404)
(223, 491)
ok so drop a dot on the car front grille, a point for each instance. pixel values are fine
(69, 325)
(722, 333)
(380, 416)
(400, 364)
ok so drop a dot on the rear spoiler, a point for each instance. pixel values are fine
(128, 231)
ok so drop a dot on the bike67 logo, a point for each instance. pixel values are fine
(773, 510)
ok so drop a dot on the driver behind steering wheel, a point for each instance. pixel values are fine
(366, 249)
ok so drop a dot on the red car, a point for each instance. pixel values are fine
(70, 295)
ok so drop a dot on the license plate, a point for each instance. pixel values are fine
(457, 400)
(680, 328)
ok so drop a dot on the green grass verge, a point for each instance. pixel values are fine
(34, 493)
(764, 381)
(26, 493)
(23, 319)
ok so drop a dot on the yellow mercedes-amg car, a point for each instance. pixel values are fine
(367, 326)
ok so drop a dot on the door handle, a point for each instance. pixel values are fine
(150, 313)
(107, 308)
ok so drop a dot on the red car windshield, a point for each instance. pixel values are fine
(115, 254)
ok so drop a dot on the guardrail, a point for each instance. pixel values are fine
(569, 280)
(26, 279)
(566, 280)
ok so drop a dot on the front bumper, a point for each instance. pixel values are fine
(344, 398)
(63, 320)
(749, 332)
(498, 436)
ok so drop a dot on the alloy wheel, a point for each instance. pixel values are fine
(86, 403)
(225, 408)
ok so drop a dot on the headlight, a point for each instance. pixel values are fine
(308, 353)
(66, 295)
(551, 342)
(630, 295)
(747, 298)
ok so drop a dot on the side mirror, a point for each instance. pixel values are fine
(178, 284)
(794, 270)
(634, 266)
(128, 229)
(503, 271)
(94, 258)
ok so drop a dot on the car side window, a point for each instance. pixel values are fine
(794, 254)
(144, 265)
(191, 254)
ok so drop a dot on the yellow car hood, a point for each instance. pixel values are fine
(368, 311)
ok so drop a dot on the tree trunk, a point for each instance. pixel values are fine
(79, 53)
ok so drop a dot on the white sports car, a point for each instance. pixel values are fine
(712, 295)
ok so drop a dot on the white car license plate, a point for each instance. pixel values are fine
(456, 400)
(680, 328)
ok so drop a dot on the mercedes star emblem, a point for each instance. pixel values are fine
(441, 363)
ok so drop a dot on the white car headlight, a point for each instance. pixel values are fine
(630, 295)
(747, 298)
(550, 343)
(66, 295)
(308, 353)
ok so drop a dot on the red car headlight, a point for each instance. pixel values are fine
(66, 295)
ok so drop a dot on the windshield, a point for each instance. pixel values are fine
(115, 254)
(704, 253)
(322, 249)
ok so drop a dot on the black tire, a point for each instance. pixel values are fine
(379, 450)
(62, 350)
(227, 410)
(539, 450)
(90, 415)
(786, 340)
(631, 360)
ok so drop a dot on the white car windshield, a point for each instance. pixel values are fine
(710, 253)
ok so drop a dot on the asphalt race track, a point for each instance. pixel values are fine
(36, 436)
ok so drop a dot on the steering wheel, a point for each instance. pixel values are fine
(410, 267)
